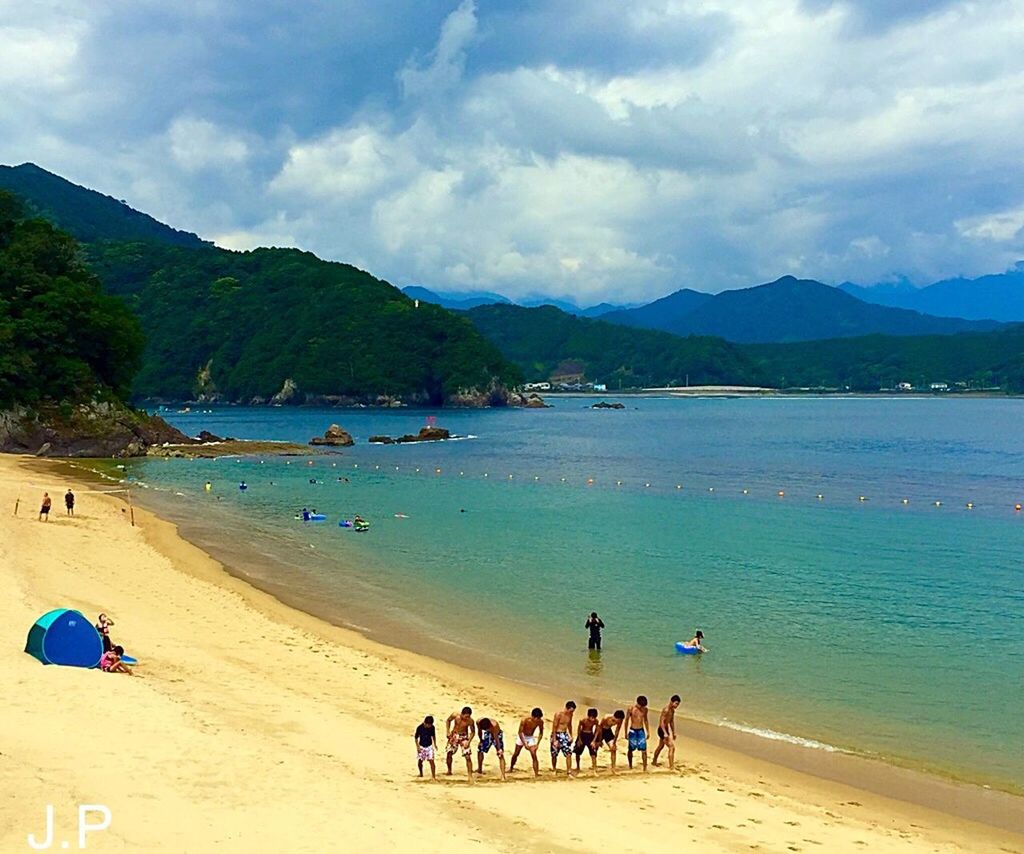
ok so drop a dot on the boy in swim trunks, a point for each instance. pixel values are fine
(639, 730)
(490, 734)
(587, 739)
(426, 745)
(609, 728)
(531, 731)
(561, 737)
(667, 732)
(460, 730)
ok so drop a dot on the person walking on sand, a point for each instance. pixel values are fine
(594, 624)
(531, 731)
(69, 502)
(460, 730)
(44, 510)
(639, 730)
(490, 735)
(561, 737)
(609, 728)
(667, 732)
(586, 739)
(426, 745)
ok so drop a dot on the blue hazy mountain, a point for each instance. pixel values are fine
(999, 296)
(787, 309)
(472, 299)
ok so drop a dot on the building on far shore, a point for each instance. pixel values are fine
(939, 387)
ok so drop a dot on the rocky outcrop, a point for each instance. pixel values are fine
(426, 434)
(333, 436)
(604, 404)
(494, 396)
(96, 429)
(288, 394)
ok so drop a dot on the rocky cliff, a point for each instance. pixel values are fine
(96, 429)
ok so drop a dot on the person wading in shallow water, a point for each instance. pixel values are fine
(594, 624)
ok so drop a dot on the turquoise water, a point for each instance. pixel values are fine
(874, 626)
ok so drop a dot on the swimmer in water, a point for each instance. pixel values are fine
(696, 642)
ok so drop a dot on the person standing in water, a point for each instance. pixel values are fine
(667, 732)
(639, 730)
(594, 624)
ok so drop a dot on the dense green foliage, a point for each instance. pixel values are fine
(979, 359)
(86, 214)
(543, 340)
(61, 337)
(258, 318)
(540, 340)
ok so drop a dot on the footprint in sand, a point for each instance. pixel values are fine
(792, 823)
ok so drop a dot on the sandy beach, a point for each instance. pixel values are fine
(257, 727)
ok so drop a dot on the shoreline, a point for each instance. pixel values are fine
(893, 793)
(881, 776)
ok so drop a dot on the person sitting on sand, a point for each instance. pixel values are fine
(696, 642)
(103, 625)
(490, 734)
(531, 731)
(69, 502)
(586, 739)
(426, 745)
(460, 730)
(561, 737)
(667, 732)
(111, 662)
(639, 730)
(44, 510)
(610, 726)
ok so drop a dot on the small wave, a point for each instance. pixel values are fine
(773, 735)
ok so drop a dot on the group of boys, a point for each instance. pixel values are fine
(592, 732)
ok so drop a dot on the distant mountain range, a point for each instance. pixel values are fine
(787, 309)
(472, 299)
(995, 297)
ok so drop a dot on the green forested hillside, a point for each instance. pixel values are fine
(239, 324)
(61, 337)
(981, 359)
(86, 214)
(538, 340)
(255, 319)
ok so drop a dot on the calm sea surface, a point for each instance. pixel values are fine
(877, 626)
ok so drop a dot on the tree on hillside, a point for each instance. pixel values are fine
(61, 337)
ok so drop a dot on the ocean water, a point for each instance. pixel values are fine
(875, 626)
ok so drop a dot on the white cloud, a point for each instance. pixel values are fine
(603, 151)
(998, 227)
(448, 58)
(200, 144)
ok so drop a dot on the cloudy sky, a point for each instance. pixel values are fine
(581, 148)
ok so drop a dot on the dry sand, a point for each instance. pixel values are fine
(258, 728)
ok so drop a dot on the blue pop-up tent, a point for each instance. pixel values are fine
(65, 637)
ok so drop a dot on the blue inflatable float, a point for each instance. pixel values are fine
(683, 649)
